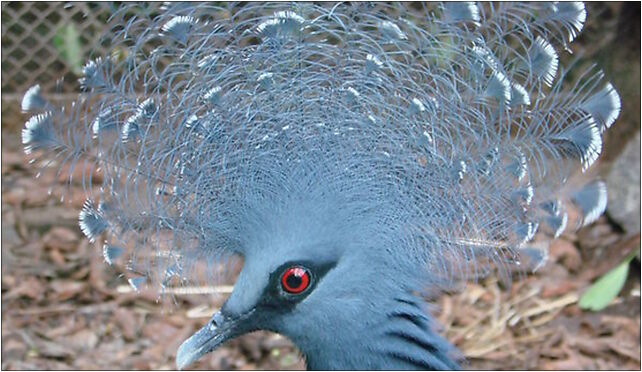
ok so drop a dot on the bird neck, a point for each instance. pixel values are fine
(399, 338)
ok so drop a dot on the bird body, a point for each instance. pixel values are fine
(352, 154)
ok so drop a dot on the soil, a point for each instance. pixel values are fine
(64, 308)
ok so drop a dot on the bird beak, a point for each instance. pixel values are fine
(218, 330)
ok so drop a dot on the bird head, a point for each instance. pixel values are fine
(316, 268)
(284, 297)
(322, 271)
(326, 304)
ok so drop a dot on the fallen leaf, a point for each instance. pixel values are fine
(65, 289)
(53, 349)
(57, 257)
(127, 323)
(605, 289)
(30, 288)
(61, 238)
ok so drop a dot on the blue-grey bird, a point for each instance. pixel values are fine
(353, 155)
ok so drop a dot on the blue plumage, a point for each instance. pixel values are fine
(111, 253)
(411, 143)
(33, 100)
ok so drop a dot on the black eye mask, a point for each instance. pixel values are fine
(275, 296)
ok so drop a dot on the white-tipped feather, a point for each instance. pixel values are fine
(111, 253)
(352, 94)
(37, 133)
(282, 24)
(104, 121)
(266, 80)
(582, 139)
(460, 169)
(417, 106)
(137, 283)
(94, 74)
(562, 225)
(524, 195)
(213, 95)
(147, 108)
(526, 231)
(537, 256)
(427, 137)
(572, 13)
(462, 12)
(208, 62)
(591, 200)
(179, 28)
(544, 61)
(92, 222)
(130, 128)
(499, 87)
(372, 63)
(518, 167)
(391, 31)
(485, 58)
(519, 95)
(33, 100)
(594, 148)
(604, 106)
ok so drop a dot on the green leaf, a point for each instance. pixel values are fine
(67, 43)
(605, 289)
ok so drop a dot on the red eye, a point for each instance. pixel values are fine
(295, 280)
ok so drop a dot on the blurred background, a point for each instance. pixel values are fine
(64, 308)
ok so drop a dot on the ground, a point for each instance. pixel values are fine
(64, 308)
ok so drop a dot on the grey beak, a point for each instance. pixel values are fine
(214, 333)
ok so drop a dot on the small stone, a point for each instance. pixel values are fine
(83, 340)
(623, 187)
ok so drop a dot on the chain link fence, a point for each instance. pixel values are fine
(47, 43)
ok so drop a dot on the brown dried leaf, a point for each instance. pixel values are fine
(65, 289)
(127, 323)
(158, 331)
(61, 238)
(14, 196)
(11, 161)
(50, 216)
(628, 348)
(53, 349)
(57, 257)
(30, 288)
(13, 349)
(68, 325)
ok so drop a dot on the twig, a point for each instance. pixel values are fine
(561, 302)
(220, 289)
